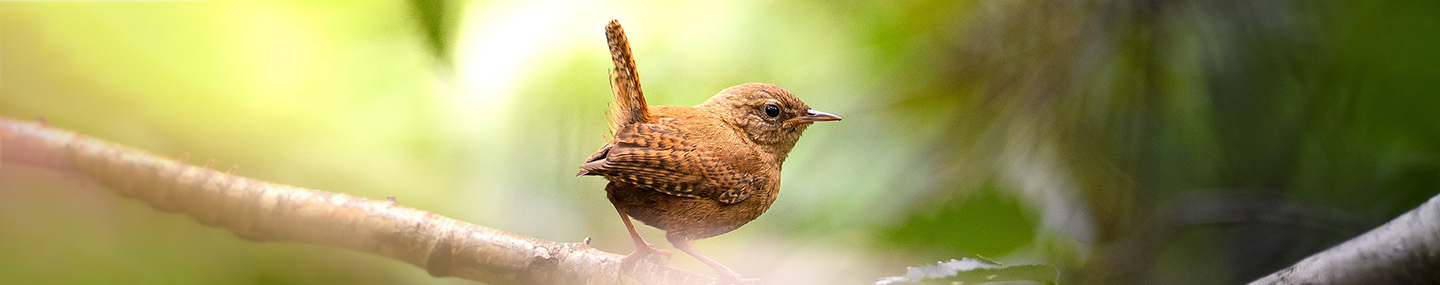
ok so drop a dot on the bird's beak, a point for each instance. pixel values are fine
(817, 116)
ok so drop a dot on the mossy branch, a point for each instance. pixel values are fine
(267, 212)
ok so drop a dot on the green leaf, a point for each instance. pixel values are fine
(437, 20)
(968, 271)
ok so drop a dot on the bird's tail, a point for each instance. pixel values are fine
(630, 107)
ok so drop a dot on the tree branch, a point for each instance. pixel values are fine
(266, 212)
(1405, 250)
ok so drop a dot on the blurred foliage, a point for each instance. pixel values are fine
(436, 20)
(1170, 142)
(997, 223)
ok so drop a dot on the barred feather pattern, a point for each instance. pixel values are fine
(630, 107)
(660, 156)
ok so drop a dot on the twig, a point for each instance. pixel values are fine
(266, 212)
(1405, 250)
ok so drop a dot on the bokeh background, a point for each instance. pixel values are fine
(1125, 141)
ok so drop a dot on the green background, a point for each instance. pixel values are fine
(1171, 142)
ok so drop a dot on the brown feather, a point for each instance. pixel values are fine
(694, 172)
(630, 106)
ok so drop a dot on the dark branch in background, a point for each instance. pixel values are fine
(266, 212)
(1404, 251)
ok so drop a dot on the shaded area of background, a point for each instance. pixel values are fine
(1165, 142)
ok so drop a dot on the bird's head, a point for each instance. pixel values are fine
(770, 116)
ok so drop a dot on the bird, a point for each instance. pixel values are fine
(694, 171)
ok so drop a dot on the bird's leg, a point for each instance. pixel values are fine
(642, 249)
(727, 276)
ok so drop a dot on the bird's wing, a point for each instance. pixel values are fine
(654, 156)
(730, 186)
(661, 157)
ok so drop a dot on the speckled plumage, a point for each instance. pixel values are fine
(695, 172)
(688, 174)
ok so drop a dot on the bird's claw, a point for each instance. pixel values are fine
(645, 252)
(650, 250)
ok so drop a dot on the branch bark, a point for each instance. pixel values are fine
(1405, 250)
(267, 212)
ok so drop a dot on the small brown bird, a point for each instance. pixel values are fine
(694, 172)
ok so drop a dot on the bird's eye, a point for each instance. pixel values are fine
(772, 110)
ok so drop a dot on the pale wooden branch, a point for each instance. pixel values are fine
(1405, 250)
(267, 212)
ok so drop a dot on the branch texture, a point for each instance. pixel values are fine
(1405, 250)
(266, 212)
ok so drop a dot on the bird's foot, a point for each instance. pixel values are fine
(644, 252)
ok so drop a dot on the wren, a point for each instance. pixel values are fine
(694, 172)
